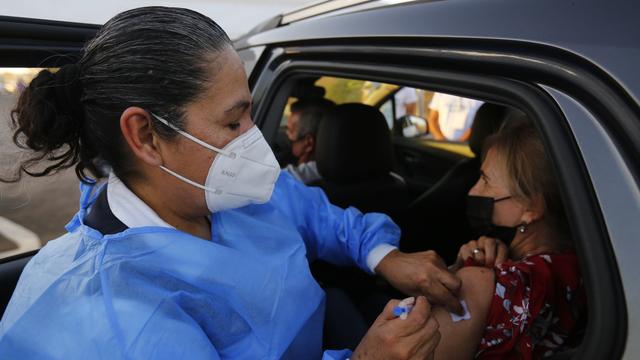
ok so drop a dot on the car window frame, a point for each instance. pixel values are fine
(341, 61)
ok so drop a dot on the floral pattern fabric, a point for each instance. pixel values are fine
(535, 308)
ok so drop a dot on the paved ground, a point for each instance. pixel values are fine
(34, 208)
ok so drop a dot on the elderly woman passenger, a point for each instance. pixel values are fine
(528, 305)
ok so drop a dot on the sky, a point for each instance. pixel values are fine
(236, 17)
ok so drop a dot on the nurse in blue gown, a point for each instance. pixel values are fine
(194, 245)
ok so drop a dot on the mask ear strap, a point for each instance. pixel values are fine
(191, 182)
(193, 138)
(502, 198)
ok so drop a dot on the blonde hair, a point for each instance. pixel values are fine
(520, 149)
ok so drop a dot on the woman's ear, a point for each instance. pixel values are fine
(135, 124)
(535, 210)
(309, 144)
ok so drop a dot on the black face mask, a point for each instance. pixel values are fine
(480, 216)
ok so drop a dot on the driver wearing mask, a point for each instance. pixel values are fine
(302, 128)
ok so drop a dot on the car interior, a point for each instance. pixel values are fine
(354, 154)
(369, 161)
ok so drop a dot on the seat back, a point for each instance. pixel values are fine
(354, 154)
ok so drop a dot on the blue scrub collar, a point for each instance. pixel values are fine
(89, 192)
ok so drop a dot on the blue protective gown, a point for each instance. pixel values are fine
(159, 293)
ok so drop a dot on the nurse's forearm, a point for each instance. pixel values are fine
(422, 273)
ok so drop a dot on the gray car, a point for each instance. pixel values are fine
(569, 65)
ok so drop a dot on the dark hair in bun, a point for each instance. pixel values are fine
(156, 58)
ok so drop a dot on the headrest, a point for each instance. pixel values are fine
(486, 122)
(353, 143)
(306, 89)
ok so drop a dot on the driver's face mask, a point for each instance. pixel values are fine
(244, 171)
(480, 216)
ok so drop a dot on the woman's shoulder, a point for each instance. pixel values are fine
(58, 252)
(539, 276)
(530, 294)
(40, 272)
(544, 262)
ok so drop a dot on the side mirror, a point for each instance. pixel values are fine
(413, 126)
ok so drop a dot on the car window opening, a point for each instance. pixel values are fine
(416, 154)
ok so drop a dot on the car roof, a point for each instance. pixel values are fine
(318, 10)
(605, 34)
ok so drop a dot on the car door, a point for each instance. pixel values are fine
(518, 77)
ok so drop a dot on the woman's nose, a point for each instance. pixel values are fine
(475, 190)
(246, 124)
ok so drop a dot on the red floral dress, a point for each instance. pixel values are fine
(535, 308)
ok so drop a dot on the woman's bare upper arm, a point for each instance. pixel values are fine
(460, 339)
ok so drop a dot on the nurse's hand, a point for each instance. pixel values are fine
(422, 273)
(415, 337)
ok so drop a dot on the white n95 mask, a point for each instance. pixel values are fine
(244, 171)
